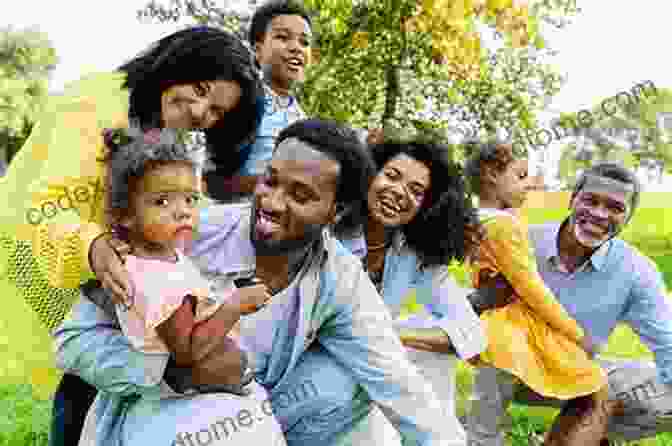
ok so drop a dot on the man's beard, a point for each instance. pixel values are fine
(586, 240)
(269, 247)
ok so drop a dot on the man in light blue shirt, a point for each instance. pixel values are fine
(325, 328)
(601, 281)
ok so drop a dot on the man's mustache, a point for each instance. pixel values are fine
(586, 214)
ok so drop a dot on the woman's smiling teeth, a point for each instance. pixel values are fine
(389, 208)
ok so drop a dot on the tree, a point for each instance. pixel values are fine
(628, 131)
(418, 66)
(27, 57)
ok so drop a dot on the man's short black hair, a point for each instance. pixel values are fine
(357, 169)
(268, 11)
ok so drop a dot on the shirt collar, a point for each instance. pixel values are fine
(597, 260)
(398, 240)
(324, 246)
(278, 102)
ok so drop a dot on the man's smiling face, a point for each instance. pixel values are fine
(295, 199)
(597, 216)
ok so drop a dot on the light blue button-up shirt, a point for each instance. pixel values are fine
(616, 284)
(339, 309)
(442, 298)
(276, 118)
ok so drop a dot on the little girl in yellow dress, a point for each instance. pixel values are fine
(533, 338)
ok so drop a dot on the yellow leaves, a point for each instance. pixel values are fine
(515, 23)
(360, 39)
(314, 55)
(454, 39)
(495, 5)
(448, 23)
(457, 12)
(413, 24)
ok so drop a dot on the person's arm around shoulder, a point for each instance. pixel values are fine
(649, 314)
(361, 336)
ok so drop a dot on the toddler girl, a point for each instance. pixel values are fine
(154, 189)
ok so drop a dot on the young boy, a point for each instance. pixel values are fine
(281, 36)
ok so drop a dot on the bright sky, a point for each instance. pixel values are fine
(89, 35)
(613, 45)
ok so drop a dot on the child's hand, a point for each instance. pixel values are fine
(251, 298)
(493, 292)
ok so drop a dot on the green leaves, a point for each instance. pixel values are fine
(397, 62)
(26, 60)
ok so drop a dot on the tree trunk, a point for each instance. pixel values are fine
(392, 92)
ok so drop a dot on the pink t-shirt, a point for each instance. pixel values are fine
(159, 290)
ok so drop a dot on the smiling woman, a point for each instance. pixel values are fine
(420, 219)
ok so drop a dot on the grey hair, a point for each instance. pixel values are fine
(615, 172)
(130, 161)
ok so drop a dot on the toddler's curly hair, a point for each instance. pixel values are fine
(133, 152)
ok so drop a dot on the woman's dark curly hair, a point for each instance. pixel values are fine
(447, 226)
(190, 56)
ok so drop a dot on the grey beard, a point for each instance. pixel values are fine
(612, 229)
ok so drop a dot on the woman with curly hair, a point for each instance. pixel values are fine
(52, 238)
(420, 218)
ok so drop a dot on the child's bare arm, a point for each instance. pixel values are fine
(244, 301)
(177, 332)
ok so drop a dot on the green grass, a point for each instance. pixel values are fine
(24, 419)
(27, 380)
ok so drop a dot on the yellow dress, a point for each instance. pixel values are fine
(52, 198)
(533, 338)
